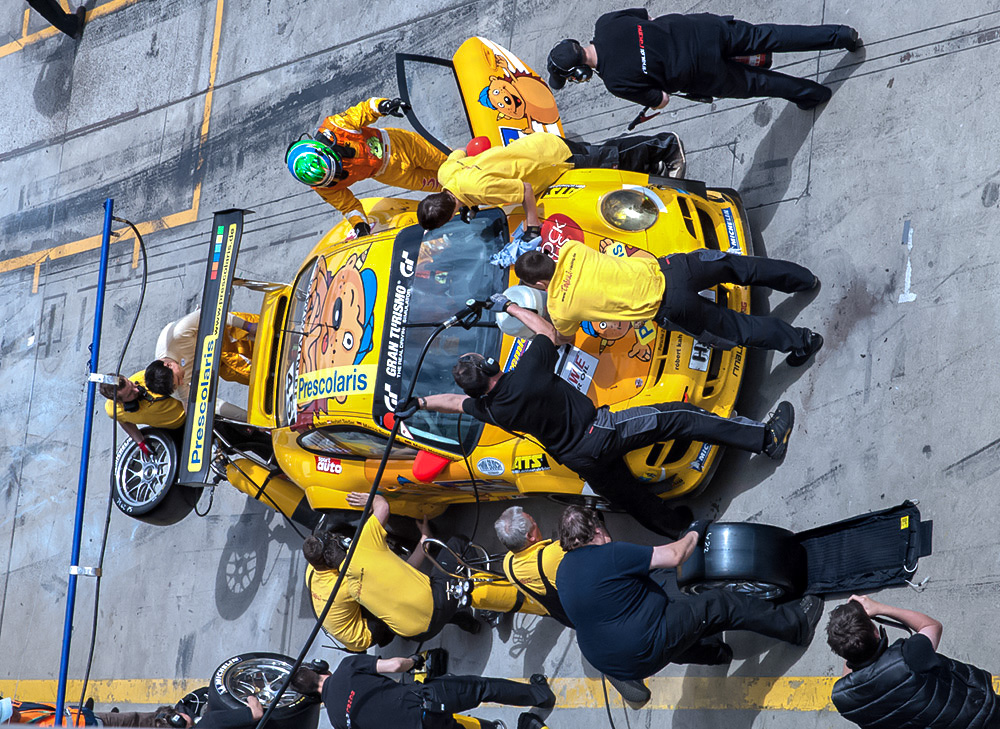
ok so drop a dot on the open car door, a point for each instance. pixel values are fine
(503, 97)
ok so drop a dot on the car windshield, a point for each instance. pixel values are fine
(431, 277)
(452, 266)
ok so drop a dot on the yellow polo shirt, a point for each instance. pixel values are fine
(496, 176)
(165, 412)
(524, 564)
(591, 286)
(345, 621)
(388, 587)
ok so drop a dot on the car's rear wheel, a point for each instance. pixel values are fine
(145, 486)
(752, 559)
(261, 675)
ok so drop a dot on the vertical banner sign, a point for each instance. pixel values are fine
(227, 229)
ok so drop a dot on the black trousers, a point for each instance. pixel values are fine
(739, 81)
(446, 604)
(635, 153)
(683, 308)
(51, 10)
(695, 621)
(599, 456)
(453, 694)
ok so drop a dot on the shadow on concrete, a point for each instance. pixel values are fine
(769, 175)
(55, 79)
(244, 558)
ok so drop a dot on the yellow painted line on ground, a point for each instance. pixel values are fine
(48, 31)
(184, 217)
(670, 693)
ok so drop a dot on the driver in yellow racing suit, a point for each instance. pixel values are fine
(347, 149)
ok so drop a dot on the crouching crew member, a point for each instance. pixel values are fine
(591, 441)
(382, 595)
(359, 696)
(626, 625)
(645, 60)
(532, 561)
(906, 685)
(347, 149)
(138, 406)
(587, 285)
(525, 168)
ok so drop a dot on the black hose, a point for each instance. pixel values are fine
(365, 514)
(114, 453)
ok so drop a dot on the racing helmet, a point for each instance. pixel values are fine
(314, 163)
(527, 298)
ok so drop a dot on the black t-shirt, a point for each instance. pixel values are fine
(616, 607)
(532, 399)
(638, 58)
(356, 696)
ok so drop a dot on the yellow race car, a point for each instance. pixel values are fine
(336, 348)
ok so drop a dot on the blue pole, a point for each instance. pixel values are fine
(81, 492)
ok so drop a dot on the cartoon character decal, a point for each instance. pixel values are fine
(375, 146)
(518, 94)
(610, 332)
(339, 322)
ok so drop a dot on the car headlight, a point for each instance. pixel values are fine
(628, 210)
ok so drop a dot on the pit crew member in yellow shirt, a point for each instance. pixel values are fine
(138, 406)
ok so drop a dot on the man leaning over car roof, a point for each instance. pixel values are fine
(587, 285)
(592, 441)
(525, 168)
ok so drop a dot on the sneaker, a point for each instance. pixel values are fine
(853, 42)
(492, 724)
(467, 622)
(825, 94)
(676, 164)
(634, 692)
(812, 606)
(798, 358)
(527, 720)
(539, 679)
(777, 430)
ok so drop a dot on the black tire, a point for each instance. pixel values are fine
(754, 559)
(146, 488)
(262, 674)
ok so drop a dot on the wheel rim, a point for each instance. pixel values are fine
(763, 590)
(142, 479)
(260, 677)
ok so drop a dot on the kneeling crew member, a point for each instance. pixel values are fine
(532, 561)
(587, 285)
(906, 684)
(347, 149)
(137, 406)
(626, 625)
(525, 168)
(394, 591)
(359, 696)
(591, 441)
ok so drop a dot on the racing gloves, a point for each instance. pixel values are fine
(392, 107)
(362, 229)
(498, 302)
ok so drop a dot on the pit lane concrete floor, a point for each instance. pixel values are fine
(181, 107)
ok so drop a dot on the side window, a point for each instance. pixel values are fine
(351, 442)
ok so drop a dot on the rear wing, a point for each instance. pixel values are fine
(224, 246)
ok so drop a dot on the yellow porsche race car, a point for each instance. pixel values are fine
(336, 349)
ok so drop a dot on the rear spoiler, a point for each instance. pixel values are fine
(224, 247)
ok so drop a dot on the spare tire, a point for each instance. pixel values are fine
(755, 559)
(146, 488)
(262, 674)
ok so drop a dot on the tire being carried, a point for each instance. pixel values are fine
(146, 488)
(262, 674)
(755, 559)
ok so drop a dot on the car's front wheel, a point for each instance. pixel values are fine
(145, 486)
